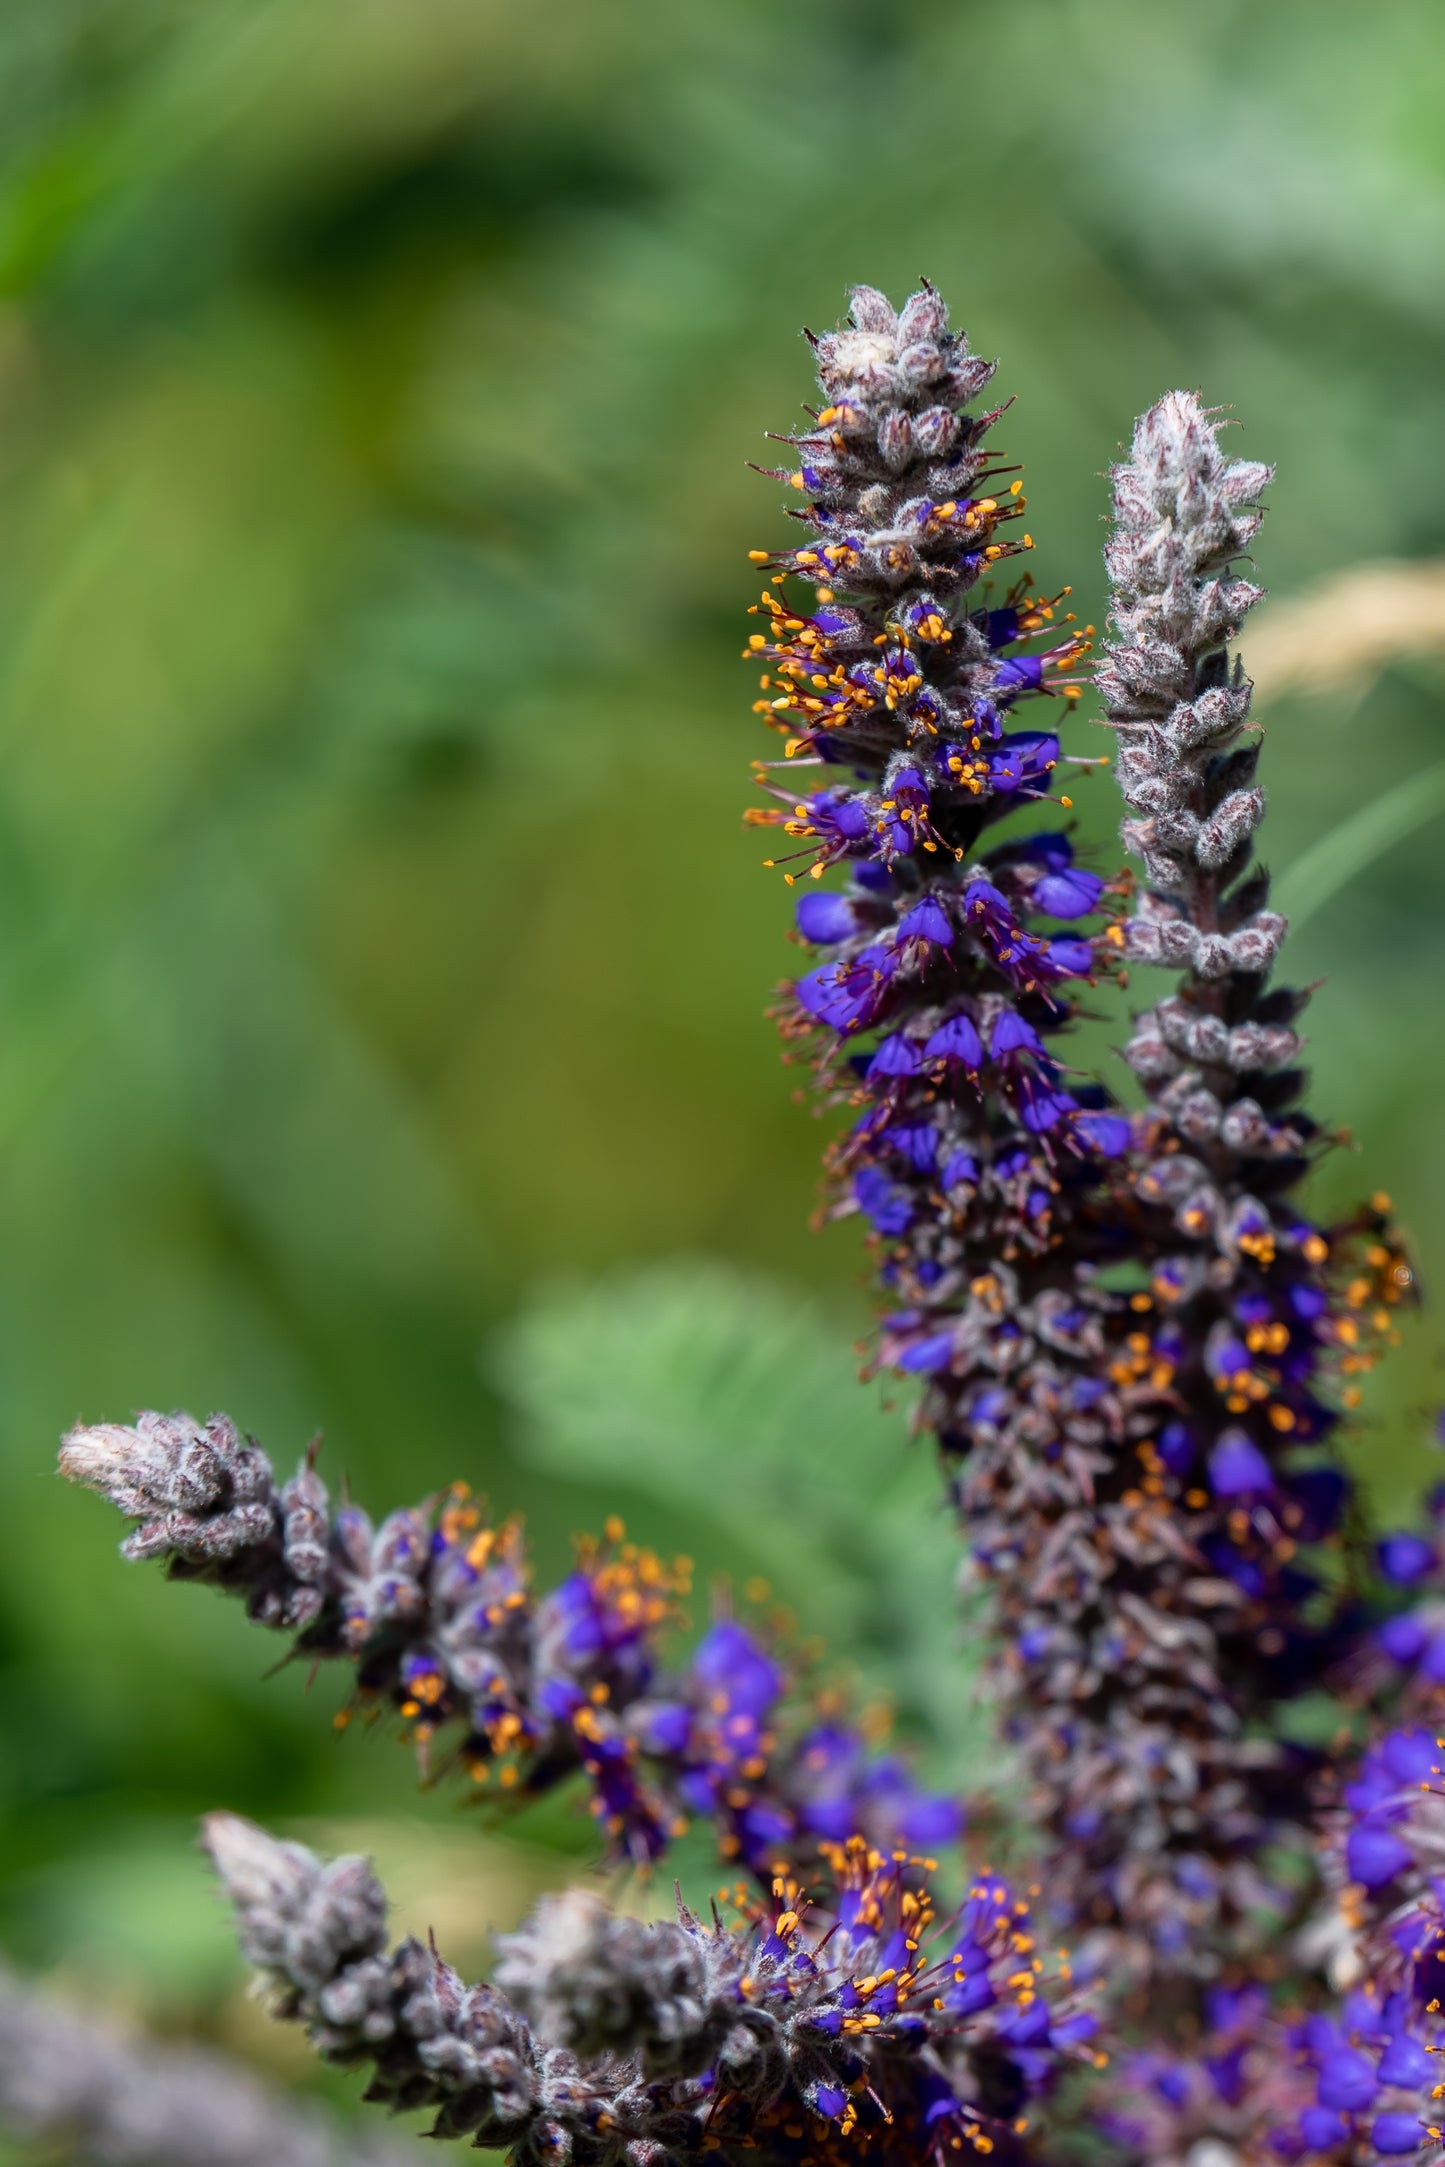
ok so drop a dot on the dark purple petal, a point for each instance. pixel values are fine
(1237, 1467)
(1403, 1638)
(1411, 1756)
(1405, 2061)
(927, 921)
(933, 1353)
(888, 1206)
(1322, 2128)
(1071, 894)
(1110, 1134)
(1347, 2081)
(1011, 1034)
(895, 1056)
(956, 1040)
(1074, 958)
(1374, 1854)
(1395, 2133)
(729, 1662)
(1405, 1557)
(823, 918)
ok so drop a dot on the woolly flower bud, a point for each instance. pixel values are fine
(317, 1931)
(299, 1920)
(597, 1983)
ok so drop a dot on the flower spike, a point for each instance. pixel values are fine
(605, 2039)
(435, 1611)
(1134, 1344)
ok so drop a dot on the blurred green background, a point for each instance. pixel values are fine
(381, 958)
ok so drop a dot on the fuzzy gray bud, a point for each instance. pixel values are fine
(601, 1984)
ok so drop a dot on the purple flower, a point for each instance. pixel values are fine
(1011, 1034)
(881, 1200)
(1406, 2062)
(1074, 959)
(1375, 1854)
(956, 1040)
(1347, 2082)
(838, 815)
(1395, 2133)
(1237, 1467)
(932, 1353)
(1322, 2128)
(1411, 1757)
(1069, 894)
(1023, 758)
(927, 921)
(728, 1663)
(895, 1056)
(1405, 1558)
(848, 996)
(1109, 1134)
(824, 918)
(916, 1141)
(1403, 1639)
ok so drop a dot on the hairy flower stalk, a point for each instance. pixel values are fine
(434, 1610)
(797, 2035)
(1139, 1459)
(89, 2090)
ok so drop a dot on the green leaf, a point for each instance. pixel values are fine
(737, 1399)
(1356, 842)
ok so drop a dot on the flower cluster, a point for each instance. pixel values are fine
(434, 1609)
(951, 962)
(1141, 1470)
(952, 958)
(798, 2034)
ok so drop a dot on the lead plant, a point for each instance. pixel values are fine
(1135, 1349)
(832, 2000)
(1140, 1473)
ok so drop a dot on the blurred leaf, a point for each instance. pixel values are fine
(1341, 856)
(1341, 634)
(735, 1396)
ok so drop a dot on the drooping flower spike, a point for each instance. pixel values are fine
(435, 1611)
(863, 2025)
